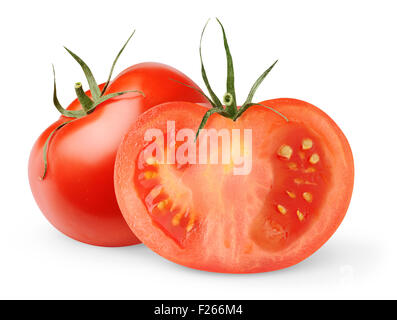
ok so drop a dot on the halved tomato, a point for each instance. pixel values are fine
(199, 213)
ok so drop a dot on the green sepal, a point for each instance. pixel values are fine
(62, 110)
(257, 84)
(205, 119)
(230, 73)
(45, 148)
(109, 96)
(243, 109)
(230, 110)
(199, 91)
(216, 103)
(114, 64)
(88, 74)
(84, 100)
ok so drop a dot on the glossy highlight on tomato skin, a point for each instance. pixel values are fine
(240, 228)
(77, 194)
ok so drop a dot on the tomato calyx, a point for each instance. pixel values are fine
(88, 104)
(229, 107)
(98, 96)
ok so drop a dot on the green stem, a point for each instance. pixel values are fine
(84, 100)
(88, 104)
(62, 110)
(229, 102)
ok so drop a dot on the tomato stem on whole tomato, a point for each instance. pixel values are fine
(88, 105)
(62, 110)
(84, 100)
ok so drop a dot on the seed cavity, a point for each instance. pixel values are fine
(307, 196)
(281, 209)
(307, 144)
(310, 170)
(300, 215)
(291, 194)
(285, 151)
(314, 158)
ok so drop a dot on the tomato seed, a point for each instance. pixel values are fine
(285, 151)
(307, 196)
(300, 215)
(314, 158)
(307, 144)
(281, 209)
(291, 194)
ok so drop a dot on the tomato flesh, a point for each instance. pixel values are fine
(204, 216)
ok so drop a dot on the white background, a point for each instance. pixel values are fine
(338, 55)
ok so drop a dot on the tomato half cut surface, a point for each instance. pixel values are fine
(290, 195)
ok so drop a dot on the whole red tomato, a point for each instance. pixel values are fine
(75, 192)
(289, 200)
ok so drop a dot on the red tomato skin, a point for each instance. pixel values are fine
(158, 82)
(202, 258)
(77, 195)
